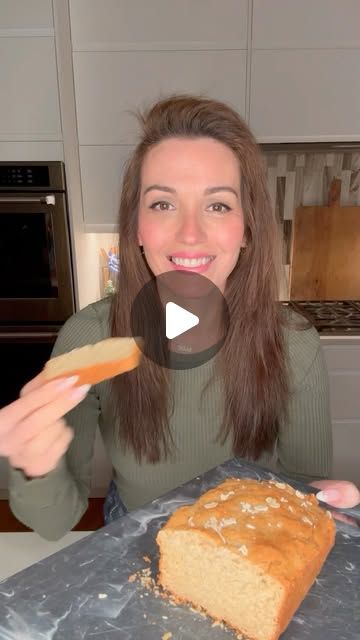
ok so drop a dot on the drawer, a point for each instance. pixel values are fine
(345, 396)
(346, 437)
(342, 357)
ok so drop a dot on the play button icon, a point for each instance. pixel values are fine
(181, 319)
(178, 320)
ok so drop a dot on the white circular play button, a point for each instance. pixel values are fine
(178, 320)
(181, 319)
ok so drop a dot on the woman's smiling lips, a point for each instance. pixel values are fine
(196, 262)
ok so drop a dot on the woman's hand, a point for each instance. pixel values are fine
(337, 493)
(33, 435)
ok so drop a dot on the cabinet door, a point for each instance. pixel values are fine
(101, 178)
(159, 24)
(343, 363)
(32, 14)
(346, 438)
(301, 24)
(345, 396)
(305, 95)
(343, 357)
(32, 151)
(29, 105)
(111, 86)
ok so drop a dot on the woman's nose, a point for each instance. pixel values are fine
(191, 228)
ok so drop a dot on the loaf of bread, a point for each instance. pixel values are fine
(95, 362)
(246, 553)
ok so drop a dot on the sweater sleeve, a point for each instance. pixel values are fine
(305, 448)
(53, 504)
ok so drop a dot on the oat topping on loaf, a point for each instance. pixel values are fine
(226, 496)
(251, 510)
(272, 502)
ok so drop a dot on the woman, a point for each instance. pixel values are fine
(195, 186)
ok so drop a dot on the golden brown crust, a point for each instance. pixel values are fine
(282, 529)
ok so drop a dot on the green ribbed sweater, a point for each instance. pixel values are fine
(52, 505)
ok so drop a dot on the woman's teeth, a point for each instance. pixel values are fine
(191, 262)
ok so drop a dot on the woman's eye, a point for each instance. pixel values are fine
(219, 207)
(161, 205)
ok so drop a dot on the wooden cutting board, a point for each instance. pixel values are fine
(325, 262)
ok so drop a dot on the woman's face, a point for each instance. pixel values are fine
(190, 214)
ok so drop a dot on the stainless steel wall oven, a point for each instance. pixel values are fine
(36, 276)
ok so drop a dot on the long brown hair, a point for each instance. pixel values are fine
(252, 361)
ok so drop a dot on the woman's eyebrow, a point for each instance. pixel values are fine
(208, 191)
(159, 187)
(211, 190)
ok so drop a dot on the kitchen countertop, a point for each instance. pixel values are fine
(83, 591)
(339, 338)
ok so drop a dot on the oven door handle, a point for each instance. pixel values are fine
(50, 199)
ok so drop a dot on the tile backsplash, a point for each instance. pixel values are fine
(301, 175)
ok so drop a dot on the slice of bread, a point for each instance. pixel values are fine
(95, 362)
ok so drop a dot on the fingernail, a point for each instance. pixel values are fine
(65, 383)
(80, 392)
(328, 495)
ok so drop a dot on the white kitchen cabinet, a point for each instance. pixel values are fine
(305, 95)
(343, 363)
(109, 87)
(32, 151)
(342, 355)
(128, 55)
(29, 105)
(345, 395)
(16, 15)
(305, 24)
(346, 439)
(106, 122)
(101, 179)
(159, 24)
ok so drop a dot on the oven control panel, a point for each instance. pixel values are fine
(24, 176)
